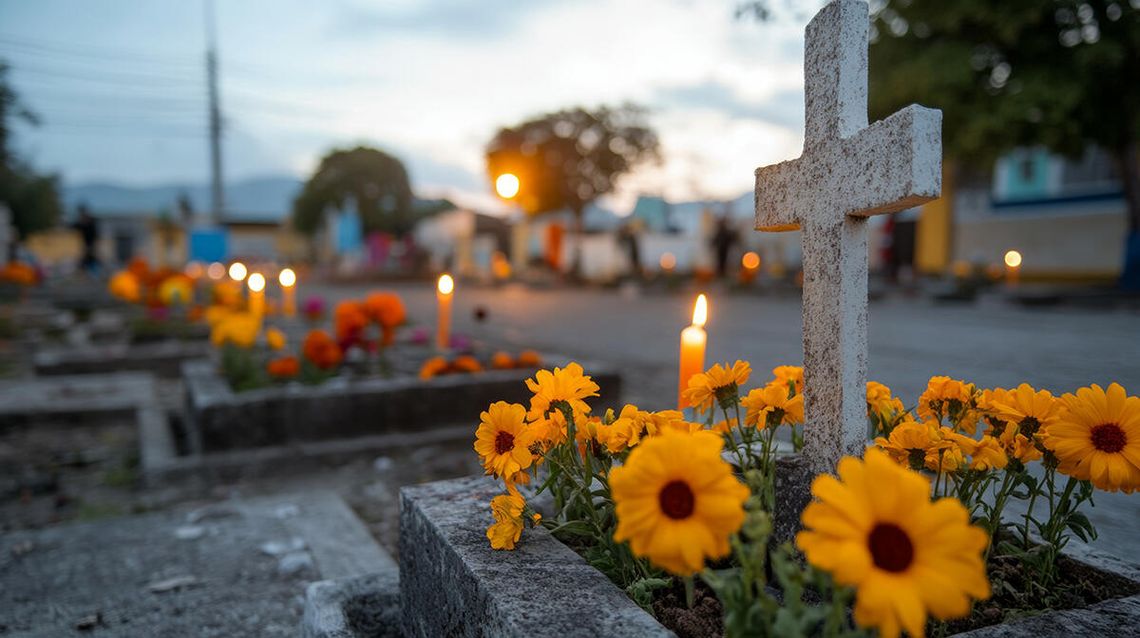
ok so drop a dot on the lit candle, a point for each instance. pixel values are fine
(1012, 268)
(693, 341)
(256, 283)
(443, 294)
(288, 279)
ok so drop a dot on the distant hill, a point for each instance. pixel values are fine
(263, 198)
(256, 199)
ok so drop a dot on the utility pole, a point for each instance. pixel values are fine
(217, 196)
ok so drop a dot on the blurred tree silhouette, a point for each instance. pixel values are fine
(1061, 73)
(32, 198)
(567, 159)
(375, 180)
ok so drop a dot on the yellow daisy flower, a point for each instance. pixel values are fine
(625, 431)
(950, 400)
(914, 444)
(565, 385)
(906, 557)
(1097, 438)
(1031, 411)
(238, 328)
(503, 440)
(988, 455)
(275, 338)
(677, 501)
(987, 403)
(787, 375)
(771, 405)
(719, 383)
(508, 512)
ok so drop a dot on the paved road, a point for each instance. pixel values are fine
(991, 344)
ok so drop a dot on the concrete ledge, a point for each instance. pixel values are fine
(453, 584)
(220, 419)
(364, 606)
(162, 358)
(1119, 617)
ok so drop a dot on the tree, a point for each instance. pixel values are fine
(1062, 73)
(566, 160)
(376, 181)
(32, 198)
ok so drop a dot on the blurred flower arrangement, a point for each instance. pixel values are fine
(467, 364)
(653, 497)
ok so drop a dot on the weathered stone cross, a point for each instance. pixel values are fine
(848, 171)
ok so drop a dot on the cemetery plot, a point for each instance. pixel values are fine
(162, 358)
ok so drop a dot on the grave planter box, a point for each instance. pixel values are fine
(452, 583)
(220, 419)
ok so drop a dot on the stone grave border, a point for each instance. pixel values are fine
(163, 358)
(544, 588)
(218, 419)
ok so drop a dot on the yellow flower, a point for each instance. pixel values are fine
(237, 328)
(881, 404)
(508, 512)
(677, 501)
(503, 440)
(988, 402)
(1031, 411)
(275, 338)
(125, 285)
(563, 386)
(176, 289)
(988, 455)
(915, 445)
(724, 427)
(626, 430)
(905, 556)
(770, 405)
(787, 375)
(719, 383)
(951, 400)
(1097, 438)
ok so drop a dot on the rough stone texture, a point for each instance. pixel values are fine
(453, 584)
(847, 172)
(794, 475)
(1120, 617)
(220, 419)
(162, 358)
(213, 571)
(358, 607)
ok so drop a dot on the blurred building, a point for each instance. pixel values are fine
(1067, 217)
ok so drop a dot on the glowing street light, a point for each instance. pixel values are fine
(507, 185)
(238, 271)
(1012, 268)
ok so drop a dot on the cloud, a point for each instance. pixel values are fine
(782, 108)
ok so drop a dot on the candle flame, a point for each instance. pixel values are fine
(1013, 259)
(700, 311)
(237, 271)
(256, 282)
(287, 277)
(446, 284)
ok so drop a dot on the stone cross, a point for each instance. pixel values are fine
(847, 172)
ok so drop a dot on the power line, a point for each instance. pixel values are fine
(70, 49)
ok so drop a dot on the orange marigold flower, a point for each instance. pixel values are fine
(951, 400)
(466, 363)
(349, 320)
(284, 367)
(719, 383)
(502, 361)
(433, 367)
(320, 349)
(771, 405)
(529, 359)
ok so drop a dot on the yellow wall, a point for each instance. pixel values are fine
(55, 246)
(934, 229)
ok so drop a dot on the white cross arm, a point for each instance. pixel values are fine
(891, 165)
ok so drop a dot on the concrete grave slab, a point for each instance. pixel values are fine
(231, 568)
(162, 358)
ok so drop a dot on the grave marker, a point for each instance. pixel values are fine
(847, 172)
